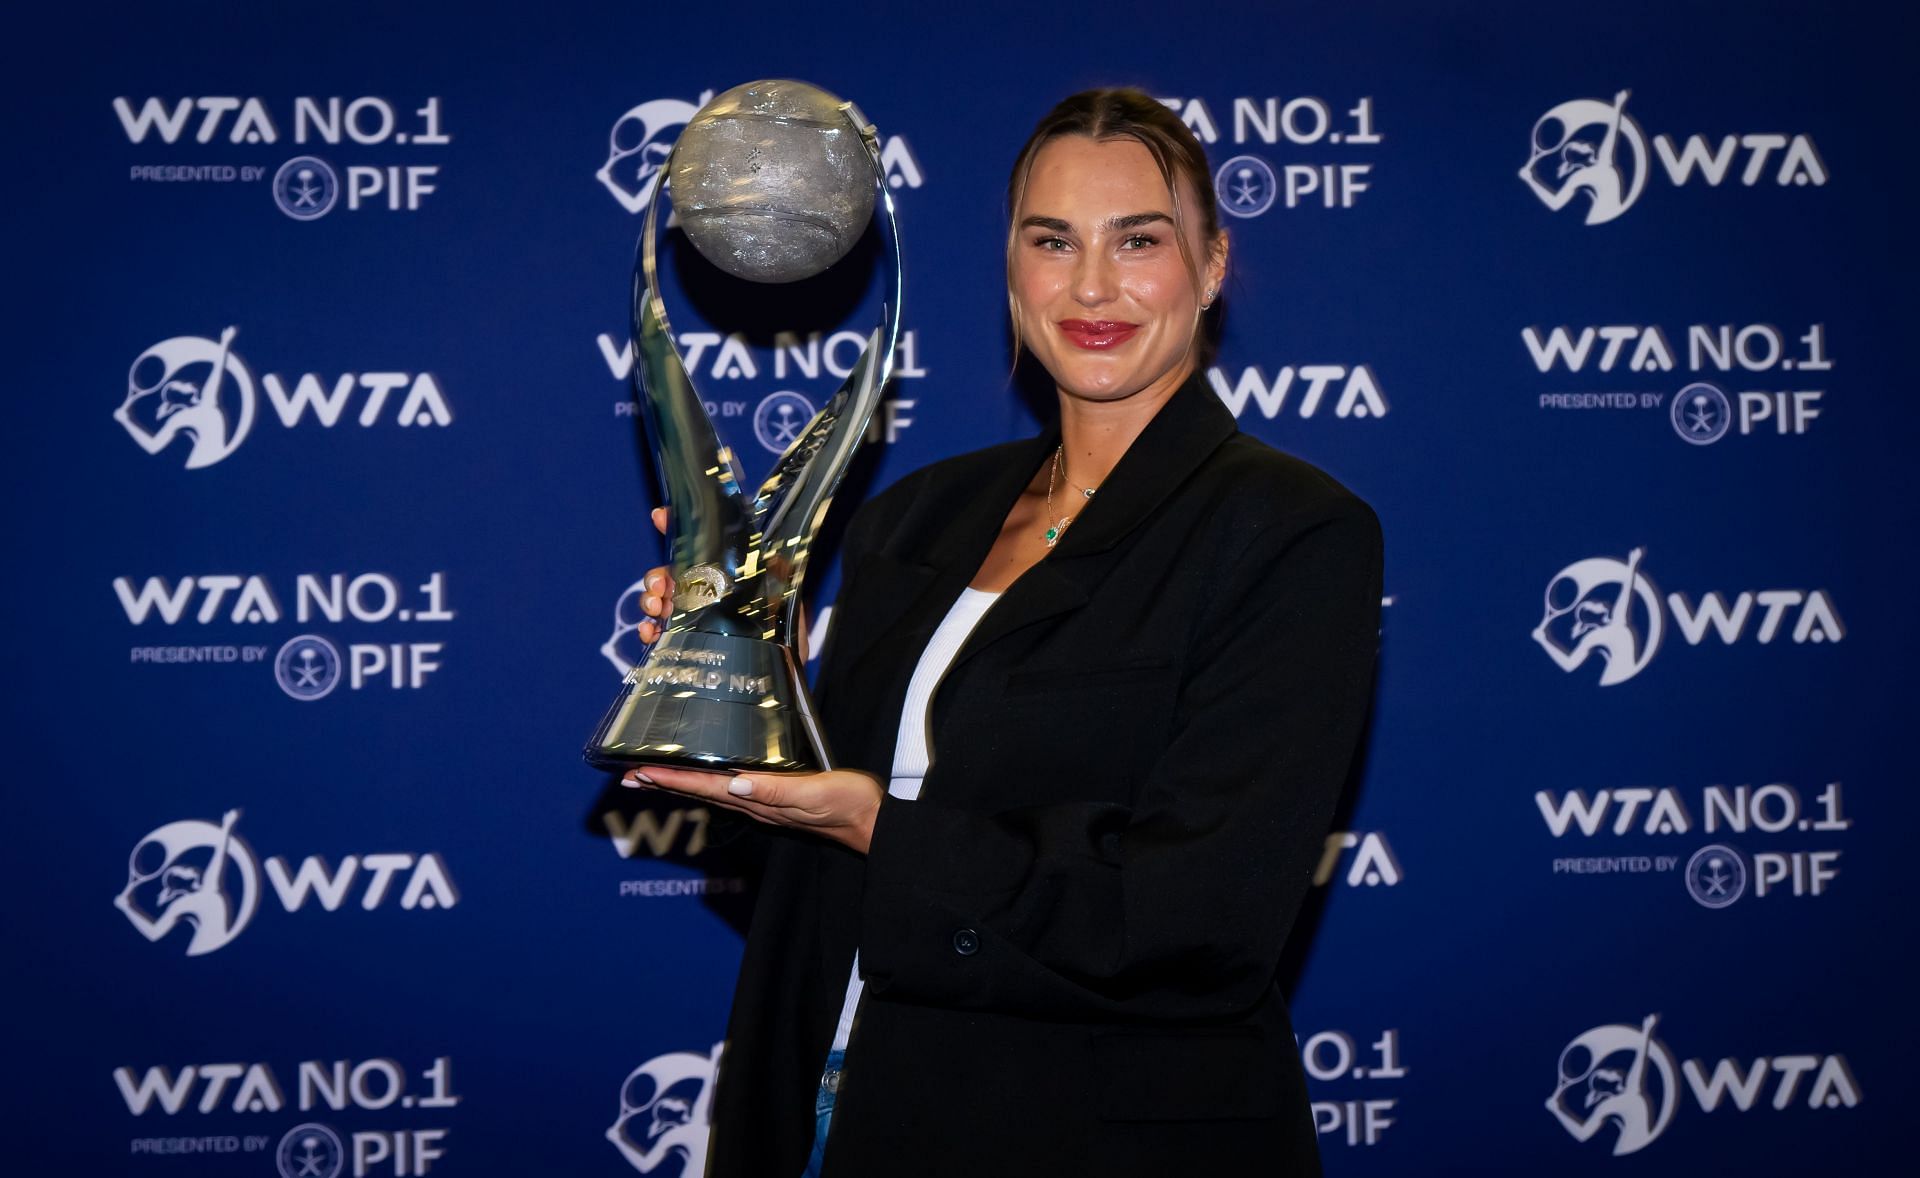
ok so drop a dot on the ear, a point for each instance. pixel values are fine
(1217, 260)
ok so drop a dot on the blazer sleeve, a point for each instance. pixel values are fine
(1176, 908)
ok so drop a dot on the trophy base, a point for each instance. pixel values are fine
(717, 702)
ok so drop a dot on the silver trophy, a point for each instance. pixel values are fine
(773, 181)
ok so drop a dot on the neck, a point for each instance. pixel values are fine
(1094, 434)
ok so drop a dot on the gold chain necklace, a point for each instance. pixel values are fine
(1056, 474)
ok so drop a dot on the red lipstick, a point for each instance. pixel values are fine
(1096, 334)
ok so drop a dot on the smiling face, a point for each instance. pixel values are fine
(1100, 289)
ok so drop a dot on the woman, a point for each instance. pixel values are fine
(1051, 948)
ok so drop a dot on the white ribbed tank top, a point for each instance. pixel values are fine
(911, 754)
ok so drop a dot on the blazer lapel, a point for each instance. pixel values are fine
(898, 583)
(1189, 427)
(944, 536)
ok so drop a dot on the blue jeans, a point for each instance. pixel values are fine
(823, 1110)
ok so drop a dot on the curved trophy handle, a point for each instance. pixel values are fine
(792, 503)
(712, 525)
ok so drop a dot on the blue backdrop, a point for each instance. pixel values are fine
(326, 499)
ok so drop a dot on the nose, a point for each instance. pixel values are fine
(1094, 283)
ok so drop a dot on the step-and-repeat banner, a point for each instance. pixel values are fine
(326, 507)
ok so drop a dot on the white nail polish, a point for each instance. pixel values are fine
(741, 787)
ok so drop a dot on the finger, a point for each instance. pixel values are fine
(755, 811)
(660, 519)
(711, 788)
(707, 787)
(638, 777)
(658, 599)
(763, 789)
(722, 800)
(643, 779)
(767, 790)
(694, 782)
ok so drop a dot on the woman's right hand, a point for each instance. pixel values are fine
(657, 601)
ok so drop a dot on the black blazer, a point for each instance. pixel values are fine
(1070, 940)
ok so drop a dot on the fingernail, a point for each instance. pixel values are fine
(651, 603)
(740, 786)
(653, 582)
(636, 779)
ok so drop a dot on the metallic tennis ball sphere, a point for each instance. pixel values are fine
(772, 182)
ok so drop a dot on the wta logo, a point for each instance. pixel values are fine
(1619, 1082)
(1601, 608)
(198, 392)
(205, 877)
(638, 146)
(1620, 1077)
(192, 388)
(1587, 147)
(1607, 609)
(663, 1124)
(193, 873)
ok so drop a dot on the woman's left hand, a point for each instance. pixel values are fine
(839, 804)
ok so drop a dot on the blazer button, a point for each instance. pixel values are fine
(966, 942)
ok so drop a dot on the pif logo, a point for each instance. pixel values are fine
(1248, 186)
(305, 187)
(1700, 411)
(307, 666)
(1720, 873)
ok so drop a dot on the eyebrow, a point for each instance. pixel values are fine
(1130, 221)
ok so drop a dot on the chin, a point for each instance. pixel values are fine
(1102, 391)
(1100, 378)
